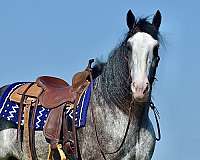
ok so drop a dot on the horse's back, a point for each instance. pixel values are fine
(2, 89)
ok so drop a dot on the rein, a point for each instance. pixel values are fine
(103, 152)
(157, 116)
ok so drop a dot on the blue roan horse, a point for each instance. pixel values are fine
(121, 95)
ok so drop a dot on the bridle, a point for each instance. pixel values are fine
(151, 105)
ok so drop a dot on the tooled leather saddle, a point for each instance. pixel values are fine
(54, 94)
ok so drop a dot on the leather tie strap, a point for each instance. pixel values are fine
(21, 106)
(26, 130)
(74, 129)
(32, 129)
(65, 128)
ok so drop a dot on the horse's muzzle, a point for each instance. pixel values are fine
(141, 91)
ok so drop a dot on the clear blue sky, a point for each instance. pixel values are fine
(58, 37)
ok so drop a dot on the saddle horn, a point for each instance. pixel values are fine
(90, 63)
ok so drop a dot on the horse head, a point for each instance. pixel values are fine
(142, 44)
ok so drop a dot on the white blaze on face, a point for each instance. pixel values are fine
(142, 45)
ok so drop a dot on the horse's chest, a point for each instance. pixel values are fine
(113, 127)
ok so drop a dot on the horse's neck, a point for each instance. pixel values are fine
(112, 99)
(112, 122)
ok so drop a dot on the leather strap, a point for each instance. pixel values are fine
(74, 129)
(26, 130)
(157, 116)
(32, 130)
(21, 106)
(65, 129)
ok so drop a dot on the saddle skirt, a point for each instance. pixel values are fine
(9, 109)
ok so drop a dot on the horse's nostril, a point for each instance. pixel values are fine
(146, 89)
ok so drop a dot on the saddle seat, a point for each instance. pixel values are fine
(55, 92)
(51, 92)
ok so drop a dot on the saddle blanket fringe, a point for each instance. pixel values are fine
(9, 110)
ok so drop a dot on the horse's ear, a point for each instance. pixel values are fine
(130, 19)
(157, 20)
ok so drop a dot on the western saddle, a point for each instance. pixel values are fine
(54, 94)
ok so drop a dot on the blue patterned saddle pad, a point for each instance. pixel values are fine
(9, 110)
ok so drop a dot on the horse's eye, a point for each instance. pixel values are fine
(129, 47)
(155, 51)
(158, 59)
